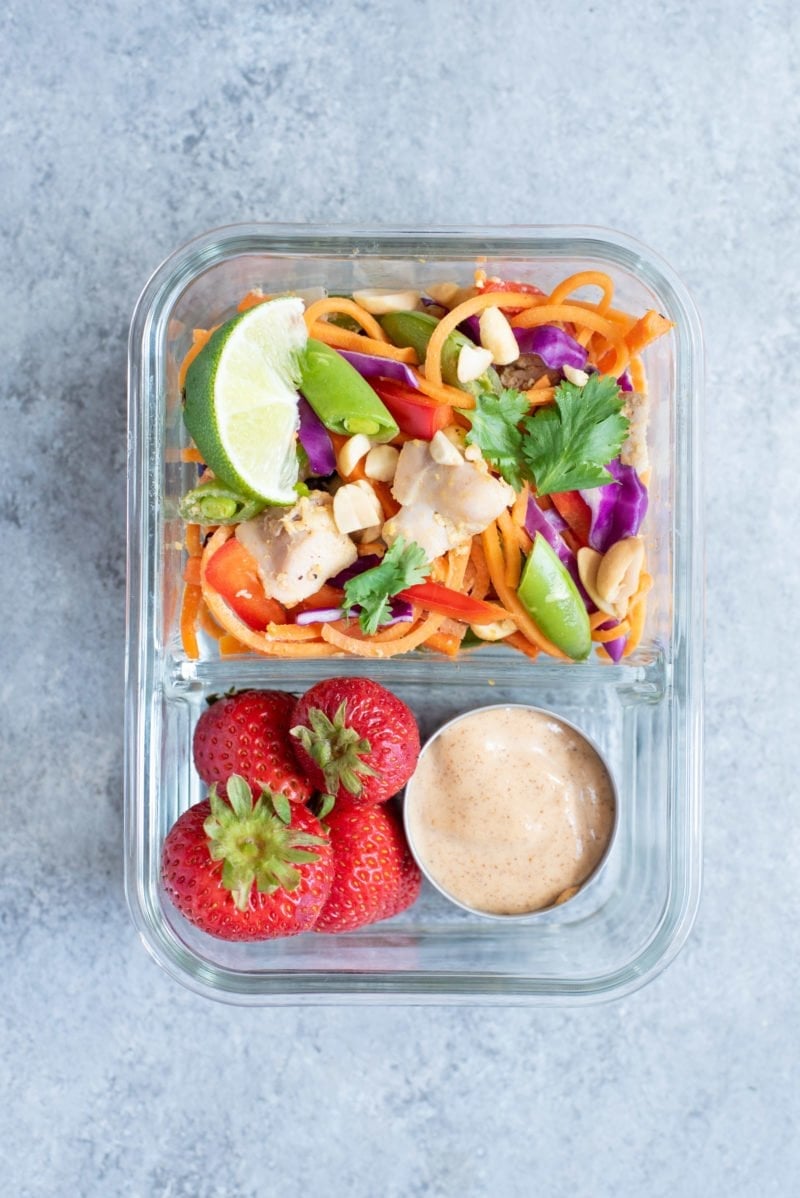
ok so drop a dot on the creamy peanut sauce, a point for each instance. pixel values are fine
(509, 810)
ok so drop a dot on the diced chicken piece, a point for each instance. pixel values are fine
(634, 451)
(297, 549)
(442, 505)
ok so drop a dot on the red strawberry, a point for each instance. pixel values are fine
(241, 871)
(375, 875)
(354, 737)
(248, 733)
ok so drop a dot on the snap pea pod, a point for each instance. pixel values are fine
(550, 597)
(344, 402)
(213, 502)
(416, 329)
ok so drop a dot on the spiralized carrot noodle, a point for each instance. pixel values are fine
(569, 314)
(638, 376)
(511, 550)
(208, 624)
(445, 642)
(252, 300)
(190, 454)
(345, 307)
(537, 397)
(518, 641)
(481, 583)
(200, 339)
(332, 335)
(508, 598)
(229, 646)
(294, 632)
(603, 635)
(194, 541)
(368, 648)
(637, 612)
(191, 571)
(519, 509)
(190, 607)
(443, 393)
(490, 299)
(585, 278)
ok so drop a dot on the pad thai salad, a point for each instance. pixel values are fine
(433, 470)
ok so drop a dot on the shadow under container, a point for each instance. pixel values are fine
(644, 713)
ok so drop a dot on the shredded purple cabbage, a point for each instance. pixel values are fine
(315, 439)
(614, 648)
(550, 524)
(555, 347)
(320, 615)
(617, 508)
(358, 567)
(369, 366)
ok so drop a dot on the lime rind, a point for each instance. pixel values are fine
(242, 404)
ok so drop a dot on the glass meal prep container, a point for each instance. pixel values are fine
(644, 713)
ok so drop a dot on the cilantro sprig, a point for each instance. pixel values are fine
(402, 566)
(568, 447)
(562, 448)
(495, 420)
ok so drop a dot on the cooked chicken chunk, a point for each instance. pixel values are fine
(297, 548)
(634, 451)
(443, 505)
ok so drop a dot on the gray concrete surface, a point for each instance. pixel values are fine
(125, 129)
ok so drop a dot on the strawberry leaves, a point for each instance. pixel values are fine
(254, 842)
(337, 749)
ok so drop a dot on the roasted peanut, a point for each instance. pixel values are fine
(618, 572)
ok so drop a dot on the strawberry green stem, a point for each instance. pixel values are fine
(336, 748)
(254, 843)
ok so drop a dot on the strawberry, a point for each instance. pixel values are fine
(375, 875)
(247, 733)
(241, 870)
(354, 737)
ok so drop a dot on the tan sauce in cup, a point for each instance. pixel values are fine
(509, 810)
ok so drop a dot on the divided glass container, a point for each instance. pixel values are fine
(644, 713)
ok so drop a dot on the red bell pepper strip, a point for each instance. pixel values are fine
(446, 602)
(233, 573)
(502, 285)
(416, 414)
(573, 508)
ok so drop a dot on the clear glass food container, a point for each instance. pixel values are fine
(644, 713)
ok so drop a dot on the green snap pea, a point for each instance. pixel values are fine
(213, 502)
(416, 328)
(343, 400)
(552, 600)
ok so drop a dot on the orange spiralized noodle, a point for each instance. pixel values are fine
(585, 278)
(347, 307)
(338, 338)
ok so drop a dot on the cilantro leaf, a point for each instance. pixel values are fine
(402, 566)
(494, 430)
(567, 447)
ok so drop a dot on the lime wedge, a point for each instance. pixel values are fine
(551, 598)
(241, 400)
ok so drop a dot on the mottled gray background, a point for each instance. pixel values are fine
(126, 128)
